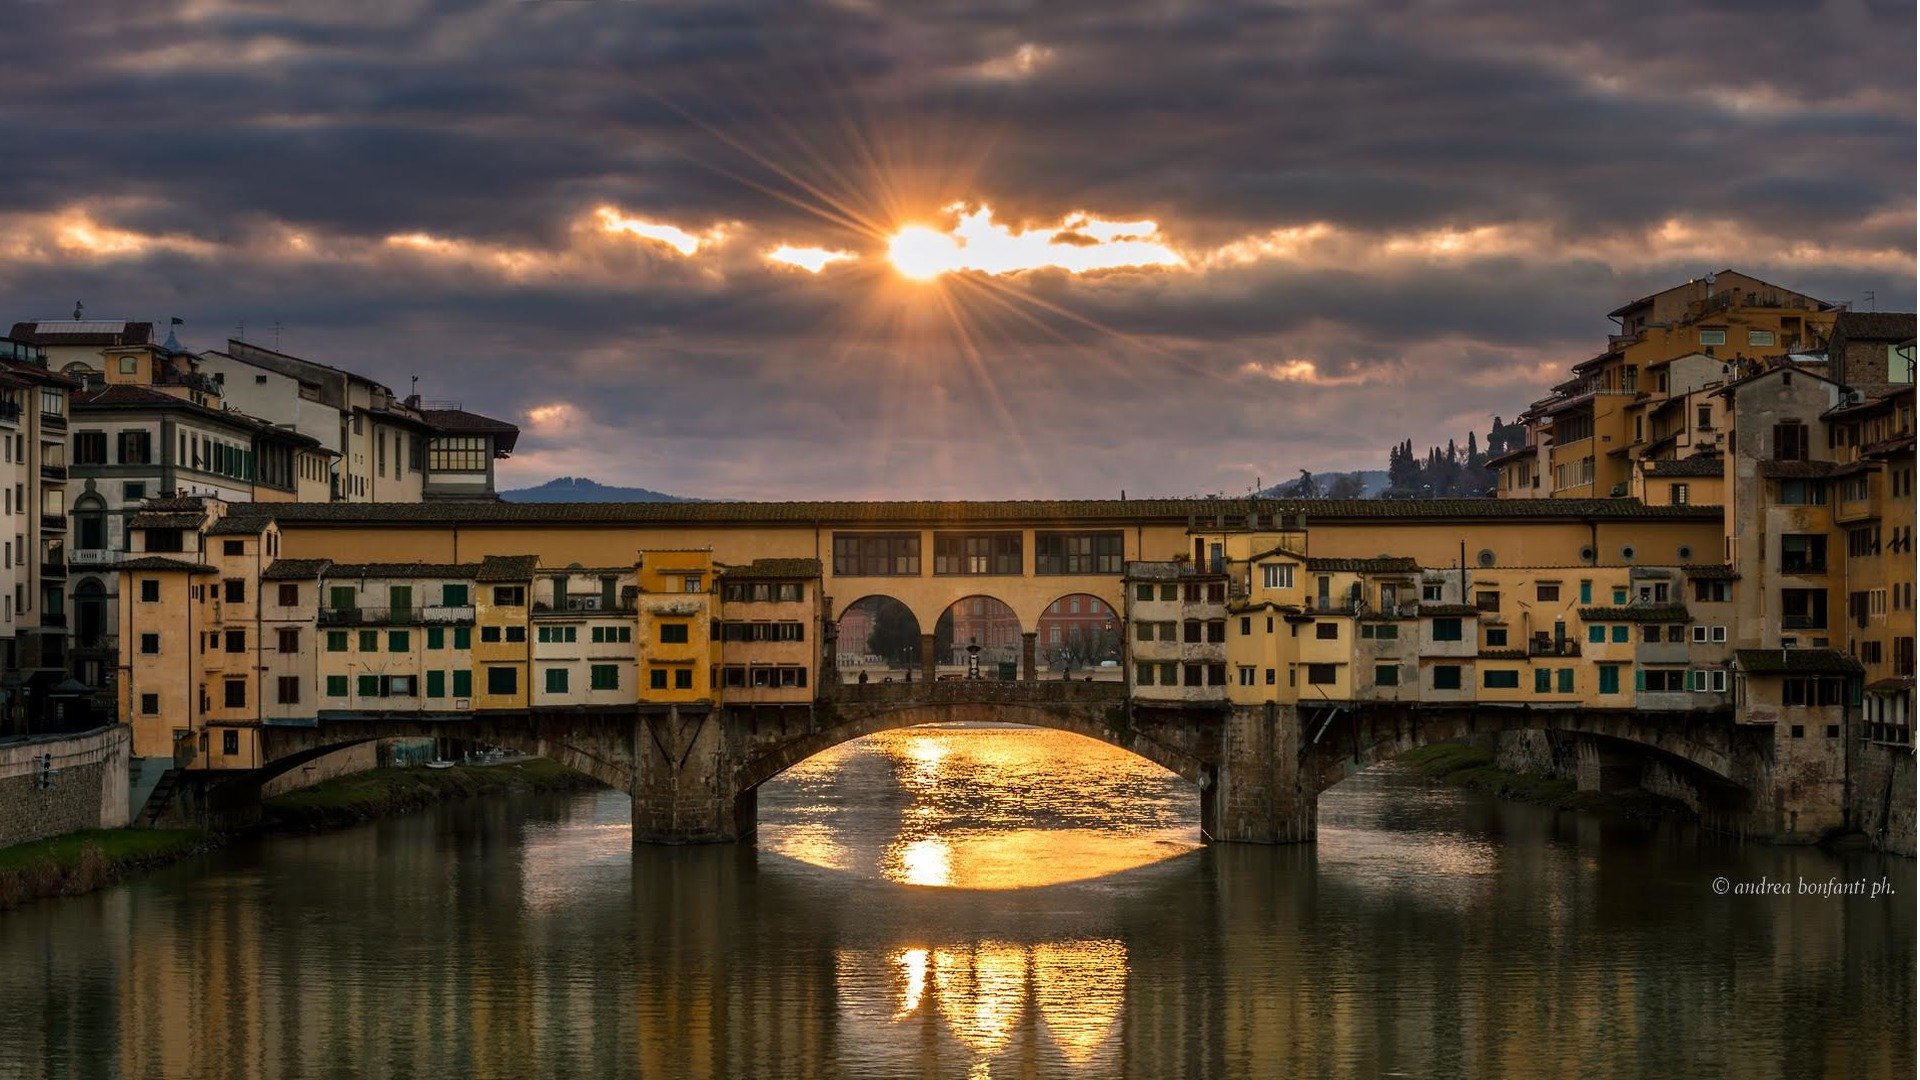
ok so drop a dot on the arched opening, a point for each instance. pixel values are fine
(1080, 636)
(90, 523)
(877, 637)
(89, 613)
(982, 623)
(977, 805)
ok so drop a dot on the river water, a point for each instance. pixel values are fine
(997, 902)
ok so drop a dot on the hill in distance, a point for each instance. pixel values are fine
(1373, 482)
(568, 489)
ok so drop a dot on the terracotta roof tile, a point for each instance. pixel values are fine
(1661, 613)
(1795, 662)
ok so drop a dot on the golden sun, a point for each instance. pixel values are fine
(921, 253)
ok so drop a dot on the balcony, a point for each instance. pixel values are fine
(53, 570)
(579, 605)
(95, 557)
(9, 412)
(427, 615)
(53, 523)
(1803, 566)
(51, 471)
(191, 380)
(53, 421)
(1567, 647)
(53, 620)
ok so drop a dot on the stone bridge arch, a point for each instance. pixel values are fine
(603, 752)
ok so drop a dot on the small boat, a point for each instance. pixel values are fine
(439, 764)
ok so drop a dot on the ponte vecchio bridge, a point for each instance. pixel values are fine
(1264, 649)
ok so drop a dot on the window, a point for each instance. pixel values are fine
(1326, 631)
(516, 634)
(453, 595)
(436, 684)
(1760, 337)
(673, 633)
(462, 684)
(1678, 495)
(89, 447)
(1276, 576)
(683, 678)
(1078, 552)
(1586, 592)
(1143, 593)
(1496, 637)
(234, 591)
(1563, 681)
(288, 690)
(1320, 674)
(604, 677)
(463, 453)
(503, 680)
(1431, 594)
(980, 553)
(289, 594)
(150, 704)
(136, 448)
(149, 590)
(490, 635)
(1621, 633)
(399, 641)
(463, 637)
(150, 644)
(691, 583)
(235, 694)
(369, 641)
(1609, 678)
(1143, 674)
(1803, 493)
(1790, 441)
(336, 641)
(1803, 553)
(1446, 677)
(509, 596)
(1487, 601)
(229, 742)
(1713, 591)
(1546, 593)
(236, 641)
(367, 686)
(1500, 679)
(556, 680)
(1713, 337)
(1803, 609)
(1446, 630)
(1663, 680)
(874, 555)
(657, 678)
(1246, 676)
(1542, 681)
(1379, 631)
(1386, 675)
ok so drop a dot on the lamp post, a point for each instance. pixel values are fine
(973, 658)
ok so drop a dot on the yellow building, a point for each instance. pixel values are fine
(769, 632)
(677, 653)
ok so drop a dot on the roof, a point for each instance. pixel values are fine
(83, 332)
(396, 569)
(132, 396)
(1384, 564)
(1701, 465)
(1624, 308)
(147, 519)
(295, 569)
(1795, 662)
(1717, 571)
(174, 502)
(1114, 512)
(161, 562)
(1890, 326)
(507, 568)
(1503, 654)
(231, 526)
(1512, 455)
(1797, 470)
(1897, 682)
(1449, 609)
(775, 568)
(1729, 389)
(462, 422)
(1878, 399)
(1661, 613)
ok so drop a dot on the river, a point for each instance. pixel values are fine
(983, 902)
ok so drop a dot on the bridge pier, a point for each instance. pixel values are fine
(1257, 795)
(929, 663)
(682, 790)
(1601, 768)
(1027, 640)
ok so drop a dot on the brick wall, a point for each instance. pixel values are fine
(88, 789)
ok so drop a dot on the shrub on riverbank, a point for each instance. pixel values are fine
(359, 797)
(91, 859)
(1472, 767)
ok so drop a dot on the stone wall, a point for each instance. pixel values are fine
(87, 789)
(1883, 796)
(353, 759)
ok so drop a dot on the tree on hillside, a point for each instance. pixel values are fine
(1346, 486)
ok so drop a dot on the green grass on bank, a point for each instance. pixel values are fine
(378, 792)
(91, 859)
(1472, 767)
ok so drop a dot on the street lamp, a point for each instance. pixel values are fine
(973, 658)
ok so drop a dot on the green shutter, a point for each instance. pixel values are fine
(463, 684)
(1542, 681)
(1566, 680)
(369, 641)
(606, 677)
(556, 680)
(341, 597)
(399, 641)
(400, 597)
(463, 637)
(336, 686)
(1639, 680)
(1620, 634)
(453, 595)
(369, 686)
(436, 684)
(336, 641)
(1586, 592)
(1609, 678)
(1596, 635)
(436, 637)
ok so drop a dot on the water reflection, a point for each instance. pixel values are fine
(979, 808)
(1429, 933)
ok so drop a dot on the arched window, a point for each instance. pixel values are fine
(90, 523)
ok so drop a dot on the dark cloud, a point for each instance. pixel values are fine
(1783, 132)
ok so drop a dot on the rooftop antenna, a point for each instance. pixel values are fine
(78, 310)
(240, 330)
(1870, 300)
(276, 335)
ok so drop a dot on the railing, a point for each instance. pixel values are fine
(1563, 647)
(1803, 622)
(53, 471)
(92, 557)
(10, 411)
(53, 619)
(53, 569)
(48, 419)
(1803, 566)
(988, 691)
(432, 614)
(55, 522)
(192, 381)
(578, 605)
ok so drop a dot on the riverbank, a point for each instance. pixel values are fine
(1472, 767)
(82, 862)
(350, 800)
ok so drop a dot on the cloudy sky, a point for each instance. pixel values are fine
(867, 249)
